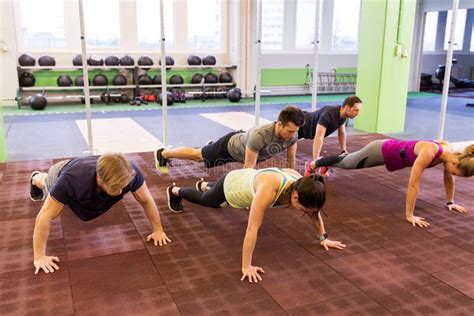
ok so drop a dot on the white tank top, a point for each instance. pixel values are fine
(238, 185)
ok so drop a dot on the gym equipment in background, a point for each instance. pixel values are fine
(26, 60)
(127, 60)
(194, 60)
(79, 81)
(112, 61)
(64, 81)
(210, 78)
(47, 61)
(458, 83)
(119, 80)
(169, 61)
(26, 79)
(145, 61)
(176, 79)
(196, 78)
(234, 95)
(38, 101)
(145, 80)
(77, 60)
(100, 80)
(209, 60)
(225, 77)
(169, 98)
(157, 79)
(95, 60)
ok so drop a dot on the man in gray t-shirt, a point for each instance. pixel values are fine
(258, 144)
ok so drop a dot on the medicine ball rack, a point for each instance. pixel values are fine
(203, 89)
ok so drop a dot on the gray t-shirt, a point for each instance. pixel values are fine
(260, 139)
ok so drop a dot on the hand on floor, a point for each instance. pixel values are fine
(458, 208)
(159, 237)
(418, 221)
(252, 273)
(46, 263)
(328, 243)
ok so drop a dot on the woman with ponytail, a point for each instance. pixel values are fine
(398, 154)
(258, 190)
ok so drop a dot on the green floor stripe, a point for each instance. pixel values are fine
(265, 100)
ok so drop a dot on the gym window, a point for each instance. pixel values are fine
(102, 23)
(459, 32)
(40, 33)
(431, 26)
(305, 23)
(472, 39)
(204, 24)
(148, 24)
(345, 25)
(272, 24)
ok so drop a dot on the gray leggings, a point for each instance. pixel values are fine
(369, 156)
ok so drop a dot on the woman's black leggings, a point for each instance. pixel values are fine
(369, 156)
(214, 197)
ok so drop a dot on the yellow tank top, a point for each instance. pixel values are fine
(238, 185)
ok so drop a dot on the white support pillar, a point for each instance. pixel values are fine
(314, 79)
(85, 73)
(258, 46)
(163, 76)
(447, 72)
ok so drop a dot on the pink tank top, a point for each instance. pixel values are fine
(398, 154)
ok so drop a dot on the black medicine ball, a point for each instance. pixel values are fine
(100, 80)
(196, 78)
(38, 101)
(26, 79)
(119, 80)
(77, 60)
(211, 78)
(26, 60)
(194, 60)
(112, 61)
(127, 60)
(46, 60)
(209, 60)
(64, 81)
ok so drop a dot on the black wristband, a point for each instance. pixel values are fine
(323, 237)
(450, 203)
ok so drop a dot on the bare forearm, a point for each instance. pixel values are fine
(249, 245)
(317, 145)
(40, 237)
(153, 215)
(342, 141)
(412, 194)
(449, 188)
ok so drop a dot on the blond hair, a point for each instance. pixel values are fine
(466, 160)
(115, 169)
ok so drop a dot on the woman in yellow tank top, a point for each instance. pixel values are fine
(259, 190)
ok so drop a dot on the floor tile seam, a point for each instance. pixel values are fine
(341, 297)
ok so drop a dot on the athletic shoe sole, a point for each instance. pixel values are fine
(168, 193)
(161, 169)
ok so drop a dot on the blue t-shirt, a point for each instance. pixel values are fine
(327, 116)
(77, 188)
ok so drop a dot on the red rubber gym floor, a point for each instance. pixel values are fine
(107, 267)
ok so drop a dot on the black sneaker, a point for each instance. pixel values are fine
(174, 202)
(161, 163)
(36, 194)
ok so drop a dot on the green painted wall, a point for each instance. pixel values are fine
(382, 77)
(293, 76)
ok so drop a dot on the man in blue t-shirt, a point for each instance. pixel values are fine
(325, 121)
(89, 186)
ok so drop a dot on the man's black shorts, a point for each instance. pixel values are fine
(217, 154)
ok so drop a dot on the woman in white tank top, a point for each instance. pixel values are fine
(259, 190)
